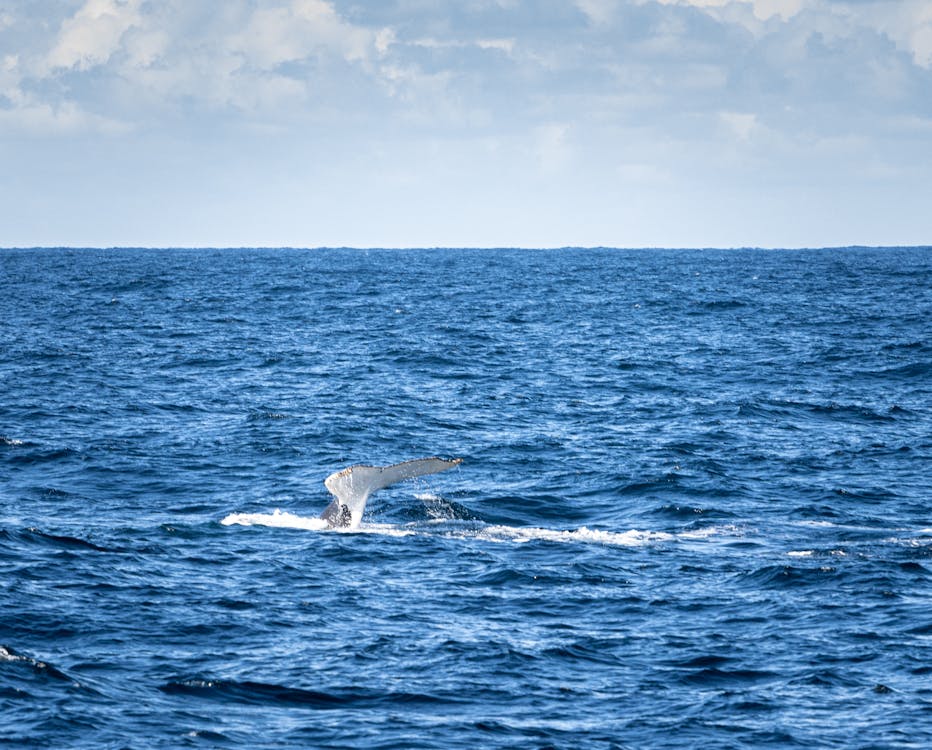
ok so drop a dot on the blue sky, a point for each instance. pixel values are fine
(533, 123)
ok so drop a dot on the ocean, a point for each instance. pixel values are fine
(694, 506)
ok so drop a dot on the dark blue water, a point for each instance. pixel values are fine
(694, 508)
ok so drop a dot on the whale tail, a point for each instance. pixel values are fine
(351, 487)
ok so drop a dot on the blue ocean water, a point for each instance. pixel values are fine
(694, 508)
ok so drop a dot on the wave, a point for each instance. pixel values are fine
(715, 676)
(38, 456)
(262, 693)
(32, 535)
(40, 668)
(913, 370)
(787, 576)
(68, 542)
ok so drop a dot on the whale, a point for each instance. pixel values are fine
(351, 487)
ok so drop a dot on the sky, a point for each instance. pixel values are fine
(481, 123)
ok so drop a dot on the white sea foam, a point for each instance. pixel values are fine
(709, 531)
(631, 538)
(815, 524)
(811, 552)
(911, 537)
(385, 529)
(281, 519)
(913, 541)
(277, 518)
(492, 533)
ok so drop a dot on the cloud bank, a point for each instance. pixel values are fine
(491, 122)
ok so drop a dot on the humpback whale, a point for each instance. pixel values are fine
(351, 487)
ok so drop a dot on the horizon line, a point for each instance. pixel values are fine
(523, 248)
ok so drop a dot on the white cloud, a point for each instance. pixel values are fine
(11, 95)
(504, 45)
(590, 96)
(762, 9)
(34, 119)
(302, 29)
(145, 47)
(598, 11)
(907, 22)
(384, 38)
(741, 124)
(920, 43)
(128, 59)
(487, 62)
(93, 34)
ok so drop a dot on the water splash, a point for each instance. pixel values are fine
(495, 533)
(278, 519)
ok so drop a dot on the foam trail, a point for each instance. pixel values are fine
(278, 519)
(632, 538)
(710, 531)
(284, 520)
(494, 533)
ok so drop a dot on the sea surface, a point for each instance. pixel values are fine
(694, 507)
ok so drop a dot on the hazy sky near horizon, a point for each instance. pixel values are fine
(533, 123)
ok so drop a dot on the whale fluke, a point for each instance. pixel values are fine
(351, 487)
